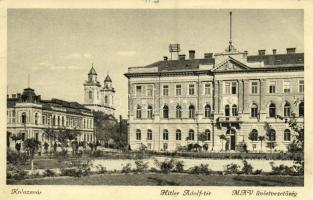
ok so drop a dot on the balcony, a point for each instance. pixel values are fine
(229, 119)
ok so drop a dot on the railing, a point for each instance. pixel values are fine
(229, 119)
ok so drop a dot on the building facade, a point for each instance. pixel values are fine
(28, 116)
(98, 97)
(228, 97)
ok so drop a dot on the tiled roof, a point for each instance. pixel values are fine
(278, 59)
(172, 65)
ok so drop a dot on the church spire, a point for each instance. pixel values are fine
(92, 70)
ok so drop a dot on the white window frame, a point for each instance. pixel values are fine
(178, 89)
(272, 83)
(286, 87)
(207, 89)
(165, 90)
(191, 89)
(301, 85)
(254, 87)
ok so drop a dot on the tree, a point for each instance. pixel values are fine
(270, 136)
(253, 136)
(31, 145)
(105, 126)
(222, 138)
(261, 138)
(297, 144)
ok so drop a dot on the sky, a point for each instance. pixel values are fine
(57, 47)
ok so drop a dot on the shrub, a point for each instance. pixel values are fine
(205, 147)
(282, 170)
(101, 169)
(179, 166)
(76, 172)
(181, 148)
(257, 172)
(16, 157)
(141, 166)
(127, 168)
(49, 172)
(231, 169)
(61, 154)
(14, 172)
(201, 169)
(97, 153)
(246, 168)
(165, 166)
(190, 147)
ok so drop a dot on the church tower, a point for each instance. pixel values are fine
(96, 97)
(92, 90)
(108, 95)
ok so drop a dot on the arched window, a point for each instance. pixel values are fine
(272, 110)
(36, 118)
(178, 112)
(287, 109)
(191, 112)
(227, 112)
(230, 132)
(207, 111)
(54, 121)
(165, 134)
(208, 134)
(301, 109)
(23, 118)
(234, 110)
(90, 94)
(149, 134)
(272, 135)
(165, 111)
(254, 110)
(191, 135)
(178, 134)
(138, 134)
(253, 135)
(150, 111)
(138, 112)
(287, 135)
(106, 99)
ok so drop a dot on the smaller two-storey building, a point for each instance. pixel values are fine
(29, 116)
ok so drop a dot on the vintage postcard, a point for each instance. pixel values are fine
(177, 100)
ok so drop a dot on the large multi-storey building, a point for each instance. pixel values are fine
(29, 116)
(229, 97)
(97, 97)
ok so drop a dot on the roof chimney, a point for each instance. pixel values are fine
(208, 55)
(192, 54)
(291, 50)
(181, 56)
(262, 52)
(274, 51)
(165, 58)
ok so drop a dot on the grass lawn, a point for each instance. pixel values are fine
(167, 179)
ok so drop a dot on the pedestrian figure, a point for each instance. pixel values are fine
(18, 147)
(46, 146)
(55, 147)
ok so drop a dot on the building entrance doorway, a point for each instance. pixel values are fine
(231, 139)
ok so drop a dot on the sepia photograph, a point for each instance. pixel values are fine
(155, 97)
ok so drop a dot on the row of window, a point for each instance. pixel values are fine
(57, 121)
(165, 111)
(191, 134)
(230, 87)
(178, 90)
(271, 136)
(233, 110)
